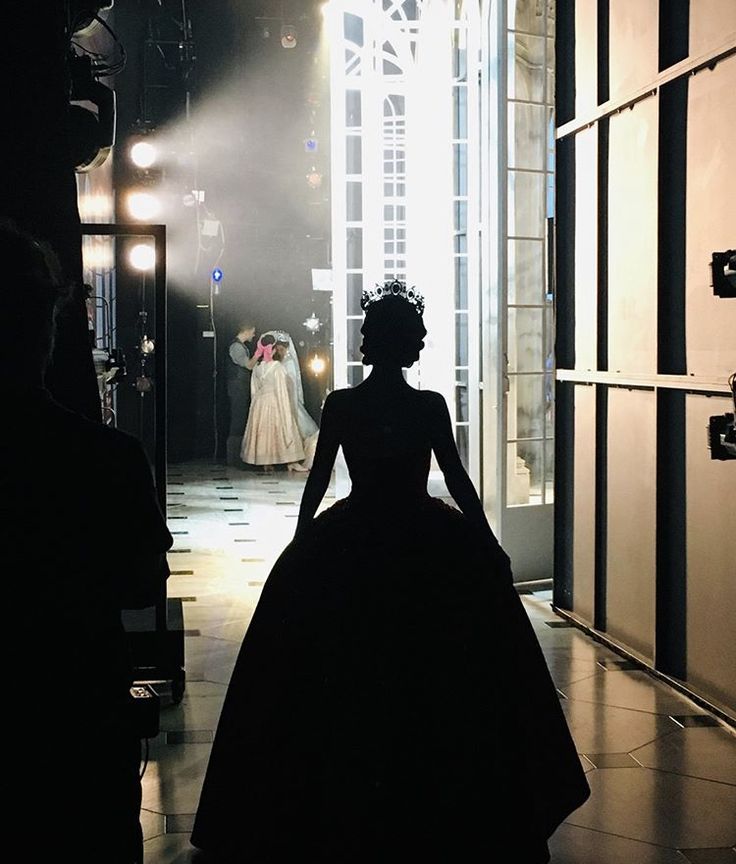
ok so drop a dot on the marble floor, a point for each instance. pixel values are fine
(662, 771)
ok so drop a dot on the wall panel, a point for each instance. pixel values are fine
(634, 42)
(711, 559)
(586, 55)
(711, 223)
(631, 554)
(711, 23)
(586, 247)
(632, 240)
(584, 504)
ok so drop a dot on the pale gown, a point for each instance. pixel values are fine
(272, 435)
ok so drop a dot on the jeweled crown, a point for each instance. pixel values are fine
(392, 289)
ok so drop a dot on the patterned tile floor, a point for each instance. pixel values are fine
(663, 791)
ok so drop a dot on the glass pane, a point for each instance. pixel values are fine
(461, 282)
(524, 473)
(527, 15)
(355, 375)
(353, 155)
(353, 28)
(354, 206)
(355, 339)
(355, 289)
(526, 67)
(461, 395)
(461, 339)
(352, 108)
(525, 340)
(461, 168)
(526, 406)
(527, 136)
(526, 200)
(354, 256)
(461, 217)
(459, 54)
(549, 472)
(526, 271)
(461, 439)
(460, 112)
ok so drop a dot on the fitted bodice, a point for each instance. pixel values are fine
(387, 447)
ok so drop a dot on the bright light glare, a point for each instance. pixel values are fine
(95, 207)
(143, 205)
(317, 364)
(143, 256)
(325, 9)
(143, 154)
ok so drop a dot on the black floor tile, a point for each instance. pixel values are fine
(238, 523)
(177, 517)
(558, 624)
(244, 540)
(612, 760)
(182, 573)
(253, 560)
(192, 632)
(233, 510)
(179, 532)
(229, 498)
(178, 551)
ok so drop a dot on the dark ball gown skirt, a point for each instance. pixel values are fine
(390, 702)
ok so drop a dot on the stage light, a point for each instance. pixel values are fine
(217, 275)
(314, 179)
(313, 323)
(288, 36)
(142, 257)
(143, 205)
(317, 364)
(144, 154)
(311, 145)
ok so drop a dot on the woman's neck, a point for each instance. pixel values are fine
(386, 374)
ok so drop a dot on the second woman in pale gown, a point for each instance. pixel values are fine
(272, 435)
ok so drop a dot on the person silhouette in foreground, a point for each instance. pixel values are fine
(82, 539)
(390, 701)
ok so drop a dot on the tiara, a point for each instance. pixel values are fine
(392, 289)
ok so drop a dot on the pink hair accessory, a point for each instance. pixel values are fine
(265, 351)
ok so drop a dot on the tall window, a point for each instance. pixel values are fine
(406, 186)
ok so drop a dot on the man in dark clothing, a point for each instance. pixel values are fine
(83, 538)
(239, 366)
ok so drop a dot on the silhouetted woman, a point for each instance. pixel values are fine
(390, 701)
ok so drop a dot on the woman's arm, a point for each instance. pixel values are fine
(328, 442)
(459, 485)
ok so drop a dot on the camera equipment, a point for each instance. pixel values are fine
(145, 707)
(722, 430)
(723, 267)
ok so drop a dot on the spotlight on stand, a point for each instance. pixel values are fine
(723, 267)
(317, 365)
(144, 154)
(91, 135)
(288, 36)
(722, 429)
